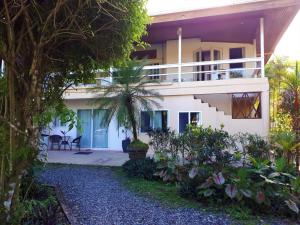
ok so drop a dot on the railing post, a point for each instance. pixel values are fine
(179, 33)
(262, 47)
(110, 74)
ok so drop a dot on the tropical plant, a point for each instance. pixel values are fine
(251, 145)
(286, 144)
(291, 104)
(127, 95)
(143, 168)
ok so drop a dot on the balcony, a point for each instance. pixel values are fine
(197, 71)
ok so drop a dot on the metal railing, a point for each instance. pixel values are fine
(197, 71)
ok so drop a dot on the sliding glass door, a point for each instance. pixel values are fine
(93, 133)
(84, 116)
(99, 130)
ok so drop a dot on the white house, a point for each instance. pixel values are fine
(210, 63)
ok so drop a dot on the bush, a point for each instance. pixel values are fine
(39, 203)
(143, 168)
(138, 145)
(208, 168)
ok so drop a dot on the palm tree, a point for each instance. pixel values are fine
(126, 96)
(286, 142)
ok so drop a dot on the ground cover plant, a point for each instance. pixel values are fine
(211, 166)
(39, 203)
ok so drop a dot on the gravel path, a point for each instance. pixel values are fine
(96, 197)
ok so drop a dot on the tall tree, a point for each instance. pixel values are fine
(48, 45)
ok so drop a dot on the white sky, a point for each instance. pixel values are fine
(289, 45)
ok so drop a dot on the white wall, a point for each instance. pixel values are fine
(115, 136)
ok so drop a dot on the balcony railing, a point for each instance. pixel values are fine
(199, 71)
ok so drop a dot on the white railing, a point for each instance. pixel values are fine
(200, 71)
(207, 70)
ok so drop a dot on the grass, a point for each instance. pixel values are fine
(168, 195)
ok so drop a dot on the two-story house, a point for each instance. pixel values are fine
(210, 64)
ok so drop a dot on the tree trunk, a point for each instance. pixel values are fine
(132, 119)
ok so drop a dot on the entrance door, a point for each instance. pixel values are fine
(205, 74)
(100, 132)
(84, 116)
(93, 133)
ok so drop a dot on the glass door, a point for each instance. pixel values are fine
(100, 132)
(84, 116)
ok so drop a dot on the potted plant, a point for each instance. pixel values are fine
(137, 149)
(125, 97)
(127, 140)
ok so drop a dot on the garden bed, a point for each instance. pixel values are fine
(168, 194)
(42, 206)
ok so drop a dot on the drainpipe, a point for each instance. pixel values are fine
(262, 47)
(179, 32)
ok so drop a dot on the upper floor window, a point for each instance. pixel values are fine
(145, 54)
(154, 120)
(205, 71)
(246, 105)
(153, 72)
(186, 118)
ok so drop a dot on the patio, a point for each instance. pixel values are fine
(100, 157)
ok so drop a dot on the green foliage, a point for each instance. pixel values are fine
(143, 168)
(138, 145)
(127, 96)
(285, 144)
(209, 172)
(251, 145)
(38, 203)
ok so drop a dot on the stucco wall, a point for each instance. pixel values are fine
(167, 53)
(183, 103)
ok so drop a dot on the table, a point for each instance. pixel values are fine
(65, 141)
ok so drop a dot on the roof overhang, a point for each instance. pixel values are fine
(237, 23)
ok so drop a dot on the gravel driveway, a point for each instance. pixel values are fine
(95, 196)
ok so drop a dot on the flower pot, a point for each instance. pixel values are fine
(125, 144)
(137, 149)
(137, 153)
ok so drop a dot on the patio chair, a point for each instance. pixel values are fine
(76, 142)
(55, 140)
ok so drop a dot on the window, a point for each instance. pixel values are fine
(58, 123)
(185, 118)
(154, 72)
(236, 53)
(145, 121)
(145, 54)
(205, 70)
(154, 120)
(246, 106)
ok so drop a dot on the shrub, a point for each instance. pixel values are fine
(143, 168)
(138, 145)
(206, 169)
(251, 145)
(39, 204)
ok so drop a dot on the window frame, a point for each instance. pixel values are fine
(152, 120)
(247, 118)
(189, 118)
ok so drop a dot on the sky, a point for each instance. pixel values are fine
(289, 45)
